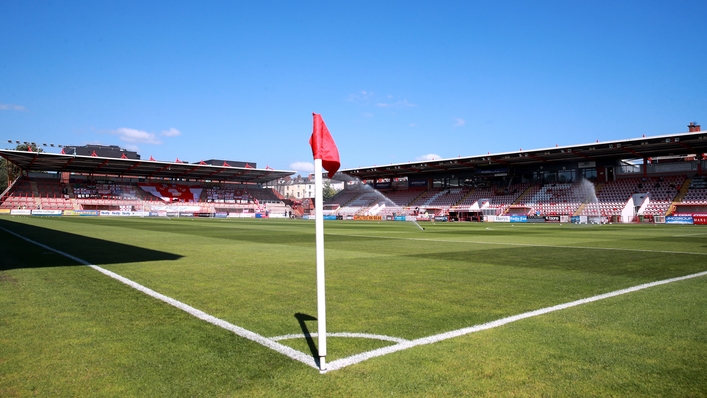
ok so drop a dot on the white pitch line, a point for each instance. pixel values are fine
(524, 244)
(350, 335)
(354, 359)
(282, 349)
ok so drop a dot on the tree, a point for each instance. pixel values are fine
(328, 191)
(8, 171)
(3, 175)
(23, 147)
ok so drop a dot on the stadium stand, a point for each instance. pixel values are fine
(697, 191)
(653, 195)
(107, 194)
(638, 178)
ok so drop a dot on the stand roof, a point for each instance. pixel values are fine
(41, 161)
(635, 148)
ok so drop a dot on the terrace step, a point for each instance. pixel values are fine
(680, 195)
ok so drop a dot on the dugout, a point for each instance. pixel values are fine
(690, 209)
(466, 215)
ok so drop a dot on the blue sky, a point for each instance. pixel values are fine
(394, 81)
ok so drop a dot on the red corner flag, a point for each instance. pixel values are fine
(323, 146)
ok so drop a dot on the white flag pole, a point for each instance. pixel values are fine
(319, 225)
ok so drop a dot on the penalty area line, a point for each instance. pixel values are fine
(245, 333)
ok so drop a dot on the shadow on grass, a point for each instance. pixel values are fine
(262, 233)
(302, 318)
(18, 253)
(589, 260)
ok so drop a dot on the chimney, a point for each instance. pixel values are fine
(692, 127)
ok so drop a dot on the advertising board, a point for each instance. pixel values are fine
(21, 212)
(679, 220)
(699, 219)
(118, 213)
(519, 218)
(491, 171)
(252, 215)
(53, 213)
(83, 213)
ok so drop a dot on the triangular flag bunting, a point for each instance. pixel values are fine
(94, 154)
(226, 164)
(123, 156)
(247, 166)
(152, 159)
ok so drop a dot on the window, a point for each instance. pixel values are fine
(565, 175)
(589, 174)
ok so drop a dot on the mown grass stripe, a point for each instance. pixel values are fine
(523, 244)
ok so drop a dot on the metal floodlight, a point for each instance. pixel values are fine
(60, 146)
(26, 143)
(44, 143)
(17, 142)
(51, 145)
(10, 141)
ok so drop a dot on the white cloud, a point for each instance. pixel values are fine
(12, 107)
(135, 136)
(431, 156)
(302, 167)
(172, 132)
(362, 97)
(459, 122)
(397, 104)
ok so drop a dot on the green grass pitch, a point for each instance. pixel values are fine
(68, 330)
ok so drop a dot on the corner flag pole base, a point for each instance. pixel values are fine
(322, 364)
